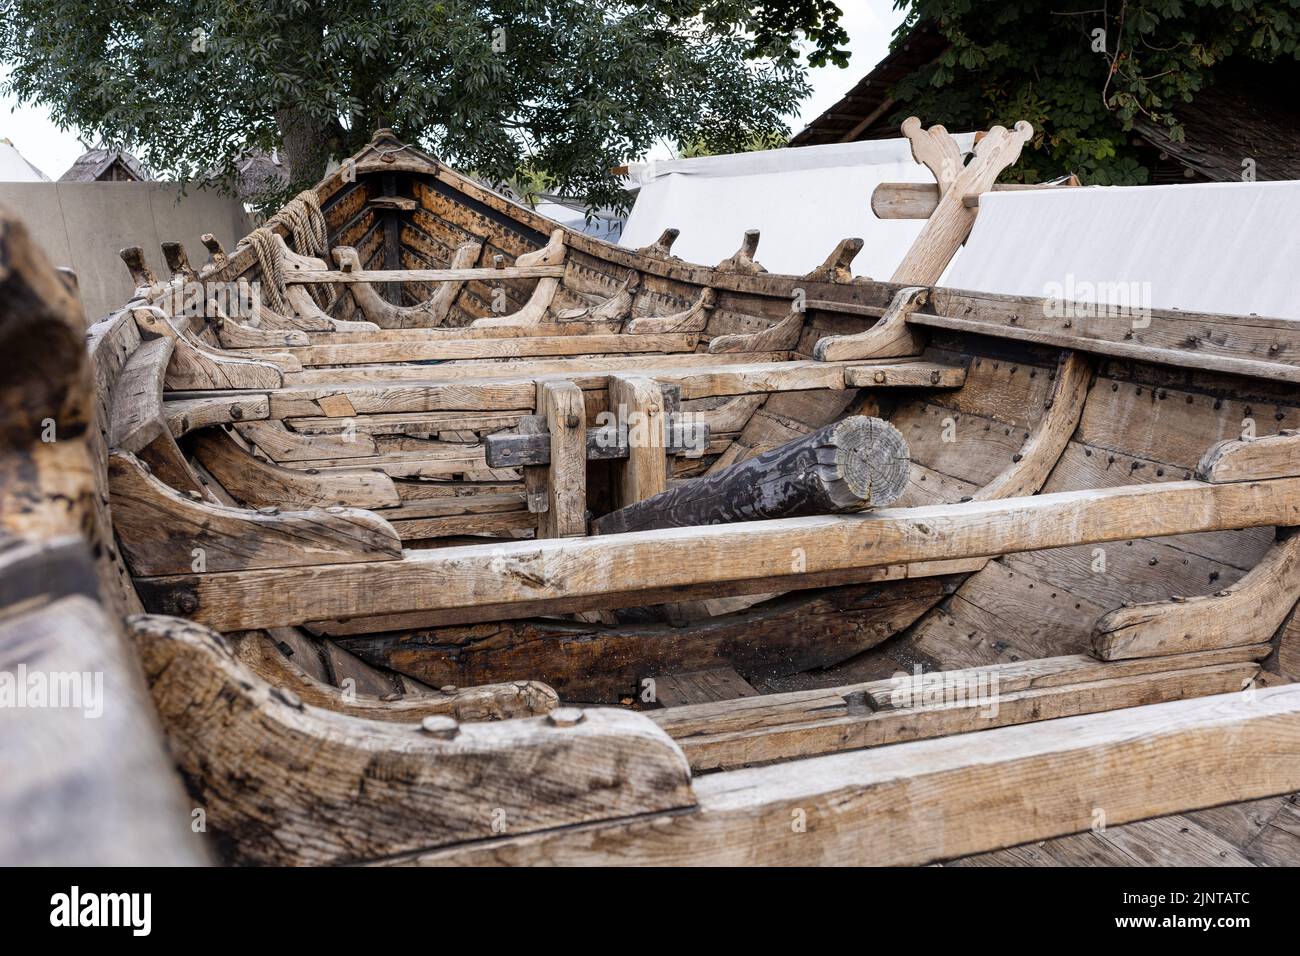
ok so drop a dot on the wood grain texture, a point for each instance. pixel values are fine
(288, 783)
(164, 532)
(928, 800)
(1248, 611)
(784, 549)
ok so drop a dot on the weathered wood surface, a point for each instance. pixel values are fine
(538, 573)
(373, 789)
(265, 655)
(194, 365)
(1248, 611)
(856, 463)
(1047, 779)
(1257, 346)
(696, 687)
(310, 276)
(164, 532)
(260, 483)
(87, 783)
(919, 200)
(1271, 456)
(525, 346)
(603, 663)
(889, 338)
(950, 223)
(642, 407)
(561, 404)
(941, 709)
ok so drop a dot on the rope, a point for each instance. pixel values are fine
(303, 219)
(262, 241)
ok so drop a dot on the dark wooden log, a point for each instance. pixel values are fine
(850, 465)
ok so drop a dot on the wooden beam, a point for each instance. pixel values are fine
(640, 407)
(919, 200)
(566, 488)
(957, 709)
(925, 801)
(307, 277)
(783, 550)
(533, 447)
(529, 346)
(1241, 345)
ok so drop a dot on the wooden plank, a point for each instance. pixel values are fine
(186, 415)
(1240, 345)
(502, 386)
(260, 483)
(423, 275)
(526, 346)
(903, 690)
(698, 687)
(781, 550)
(603, 444)
(958, 709)
(566, 487)
(888, 338)
(1046, 779)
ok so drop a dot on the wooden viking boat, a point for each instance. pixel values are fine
(471, 539)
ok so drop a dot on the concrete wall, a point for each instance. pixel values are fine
(84, 225)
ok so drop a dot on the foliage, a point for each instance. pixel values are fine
(574, 87)
(1042, 60)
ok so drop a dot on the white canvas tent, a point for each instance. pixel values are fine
(803, 200)
(14, 168)
(1204, 247)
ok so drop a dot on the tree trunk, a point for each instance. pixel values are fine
(307, 143)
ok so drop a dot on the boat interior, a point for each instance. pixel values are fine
(353, 494)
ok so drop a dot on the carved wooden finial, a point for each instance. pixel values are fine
(936, 149)
(662, 247)
(951, 221)
(217, 257)
(178, 262)
(836, 267)
(141, 274)
(743, 261)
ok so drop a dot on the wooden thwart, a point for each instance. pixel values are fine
(539, 573)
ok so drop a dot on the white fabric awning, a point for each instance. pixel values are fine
(804, 200)
(1204, 247)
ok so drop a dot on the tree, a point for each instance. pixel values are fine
(571, 87)
(1083, 72)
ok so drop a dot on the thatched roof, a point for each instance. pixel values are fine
(106, 165)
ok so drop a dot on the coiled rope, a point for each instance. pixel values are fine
(303, 219)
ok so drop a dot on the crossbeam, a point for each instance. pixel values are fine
(788, 550)
(308, 277)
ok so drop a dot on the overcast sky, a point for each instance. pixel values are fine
(869, 23)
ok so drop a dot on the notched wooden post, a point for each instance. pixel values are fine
(566, 420)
